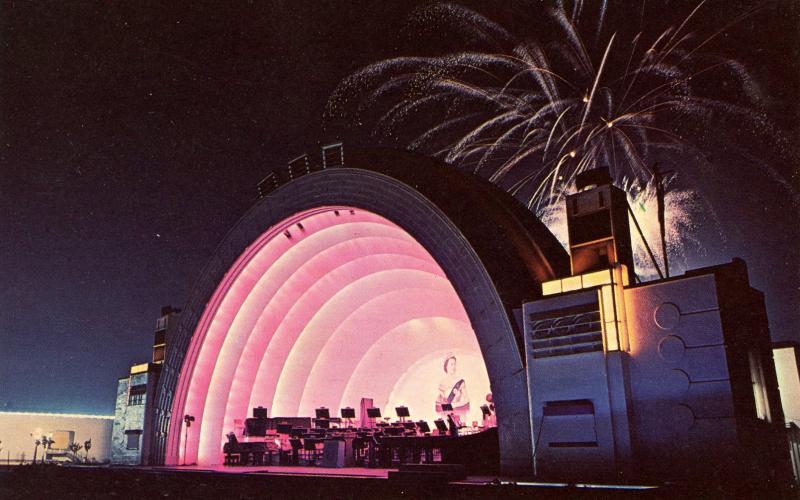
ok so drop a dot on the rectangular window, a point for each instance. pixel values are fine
(136, 394)
(158, 354)
(132, 439)
(759, 386)
(590, 227)
(161, 323)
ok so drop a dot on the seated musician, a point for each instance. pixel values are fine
(452, 424)
(489, 416)
(229, 448)
(453, 390)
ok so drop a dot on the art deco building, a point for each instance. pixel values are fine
(666, 379)
(136, 407)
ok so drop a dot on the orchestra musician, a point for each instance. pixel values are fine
(489, 416)
(452, 425)
(453, 390)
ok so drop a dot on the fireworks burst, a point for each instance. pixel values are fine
(529, 116)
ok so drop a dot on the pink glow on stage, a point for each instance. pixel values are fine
(410, 377)
(347, 307)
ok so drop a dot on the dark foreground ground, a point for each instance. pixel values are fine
(53, 482)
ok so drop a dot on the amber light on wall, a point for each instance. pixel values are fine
(140, 368)
(577, 282)
(612, 311)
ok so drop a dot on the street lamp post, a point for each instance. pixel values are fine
(35, 449)
(187, 419)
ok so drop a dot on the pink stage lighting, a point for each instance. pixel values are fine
(329, 306)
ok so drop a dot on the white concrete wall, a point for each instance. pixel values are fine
(789, 382)
(18, 445)
(594, 376)
(580, 376)
(680, 386)
(127, 418)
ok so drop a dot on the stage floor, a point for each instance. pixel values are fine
(103, 481)
(360, 472)
(320, 472)
(331, 472)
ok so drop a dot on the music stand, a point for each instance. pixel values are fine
(441, 426)
(322, 423)
(348, 414)
(402, 413)
(447, 407)
(323, 413)
(423, 427)
(284, 428)
(373, 413)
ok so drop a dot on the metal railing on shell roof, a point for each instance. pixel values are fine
(332, 157)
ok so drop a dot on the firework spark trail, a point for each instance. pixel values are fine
(531, 116)
(596, 81)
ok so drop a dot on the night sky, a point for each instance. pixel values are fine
(132, 136)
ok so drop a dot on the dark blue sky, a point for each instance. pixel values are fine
(132, 136)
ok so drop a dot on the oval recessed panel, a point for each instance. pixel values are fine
(671, 348)
(667, 316)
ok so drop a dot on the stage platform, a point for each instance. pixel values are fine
(290, 482)
(323, 472)
(353, 472)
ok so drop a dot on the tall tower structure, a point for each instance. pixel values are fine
(138, 412)
(597, 218)
(165, 326)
